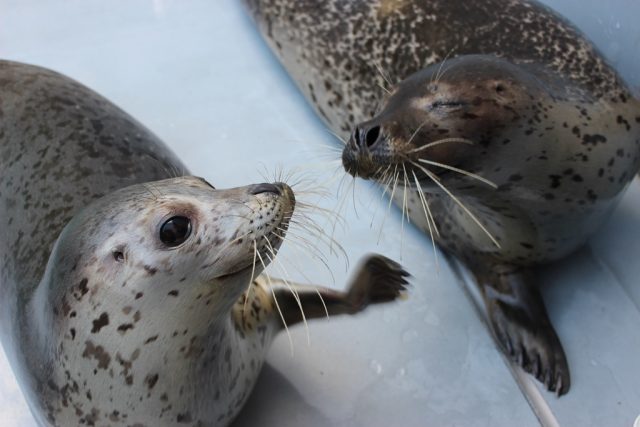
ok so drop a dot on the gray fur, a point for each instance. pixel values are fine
(102, 322)
(551, 124)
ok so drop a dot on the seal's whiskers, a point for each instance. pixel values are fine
(305, 244)
(344, 141)
(438, 76)
(382, 178)
(415, 132)
(458, 202)
(461, 171)
(252, 278)
(404, 209)
(302, 273)
(285, 280)
(386, 79)
(429, 218)
(442, 141)
(275, 300)
(396, 175)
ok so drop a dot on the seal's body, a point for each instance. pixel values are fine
(509, 136)
(121, 288)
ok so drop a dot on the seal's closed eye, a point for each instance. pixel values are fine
(175, 231)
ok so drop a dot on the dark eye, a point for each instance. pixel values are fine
(447, 104)
(175, 231)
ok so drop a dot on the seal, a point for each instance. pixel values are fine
(131, 296)
(510, 137)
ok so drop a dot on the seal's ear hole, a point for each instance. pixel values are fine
(500, 88)
(118, 256)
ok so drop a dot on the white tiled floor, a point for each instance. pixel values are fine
(199, 76)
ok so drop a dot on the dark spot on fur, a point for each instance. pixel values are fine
(151, 339)
(82, 286)
(151, 380)
(515, 177)
(173, 293)
(184, 418)
(594, 139)
(150, 270)
(124, 328)
(98, 353)
(100, 323)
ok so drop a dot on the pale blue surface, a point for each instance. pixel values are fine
(197, 74)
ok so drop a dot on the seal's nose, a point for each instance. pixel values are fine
(365, 136)
(265, 188)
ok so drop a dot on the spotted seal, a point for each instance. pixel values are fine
(124, 289)
(509, 135)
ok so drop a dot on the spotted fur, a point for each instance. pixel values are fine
(103, 323)
(552, 125)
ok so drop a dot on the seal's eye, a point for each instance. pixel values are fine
(447, 104)
(175, 230)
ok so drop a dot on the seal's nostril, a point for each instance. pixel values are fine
(355, 136)
(265, 188)
(365, 137)
(372, 135)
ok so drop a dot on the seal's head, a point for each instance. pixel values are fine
(175, 235)
(150, 273)
(458, 114)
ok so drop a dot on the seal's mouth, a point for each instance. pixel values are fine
(256, 243)
(271, 221)
(384, 165)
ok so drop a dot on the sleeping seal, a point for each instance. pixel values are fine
(510, 137)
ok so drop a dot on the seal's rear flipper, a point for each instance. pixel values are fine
(520, 322)
(377, 280)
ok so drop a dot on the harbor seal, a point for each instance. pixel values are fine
(509, 135)
(129, 295)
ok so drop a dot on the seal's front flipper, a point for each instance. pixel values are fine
(521, 325)
(377, 280)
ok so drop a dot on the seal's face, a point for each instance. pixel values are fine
(173, 236)
(183, 230)
(451, 115)
(140, 286)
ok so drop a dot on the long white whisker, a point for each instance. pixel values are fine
(326, 310)
(253, 271)
(275, 300)
(344, 141)
(295, 294)
(458, 202)
(442, 141)
(461, 171)
(393, 191)
(384, 77)
(429, 217)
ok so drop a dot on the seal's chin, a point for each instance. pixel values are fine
(242, 271)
